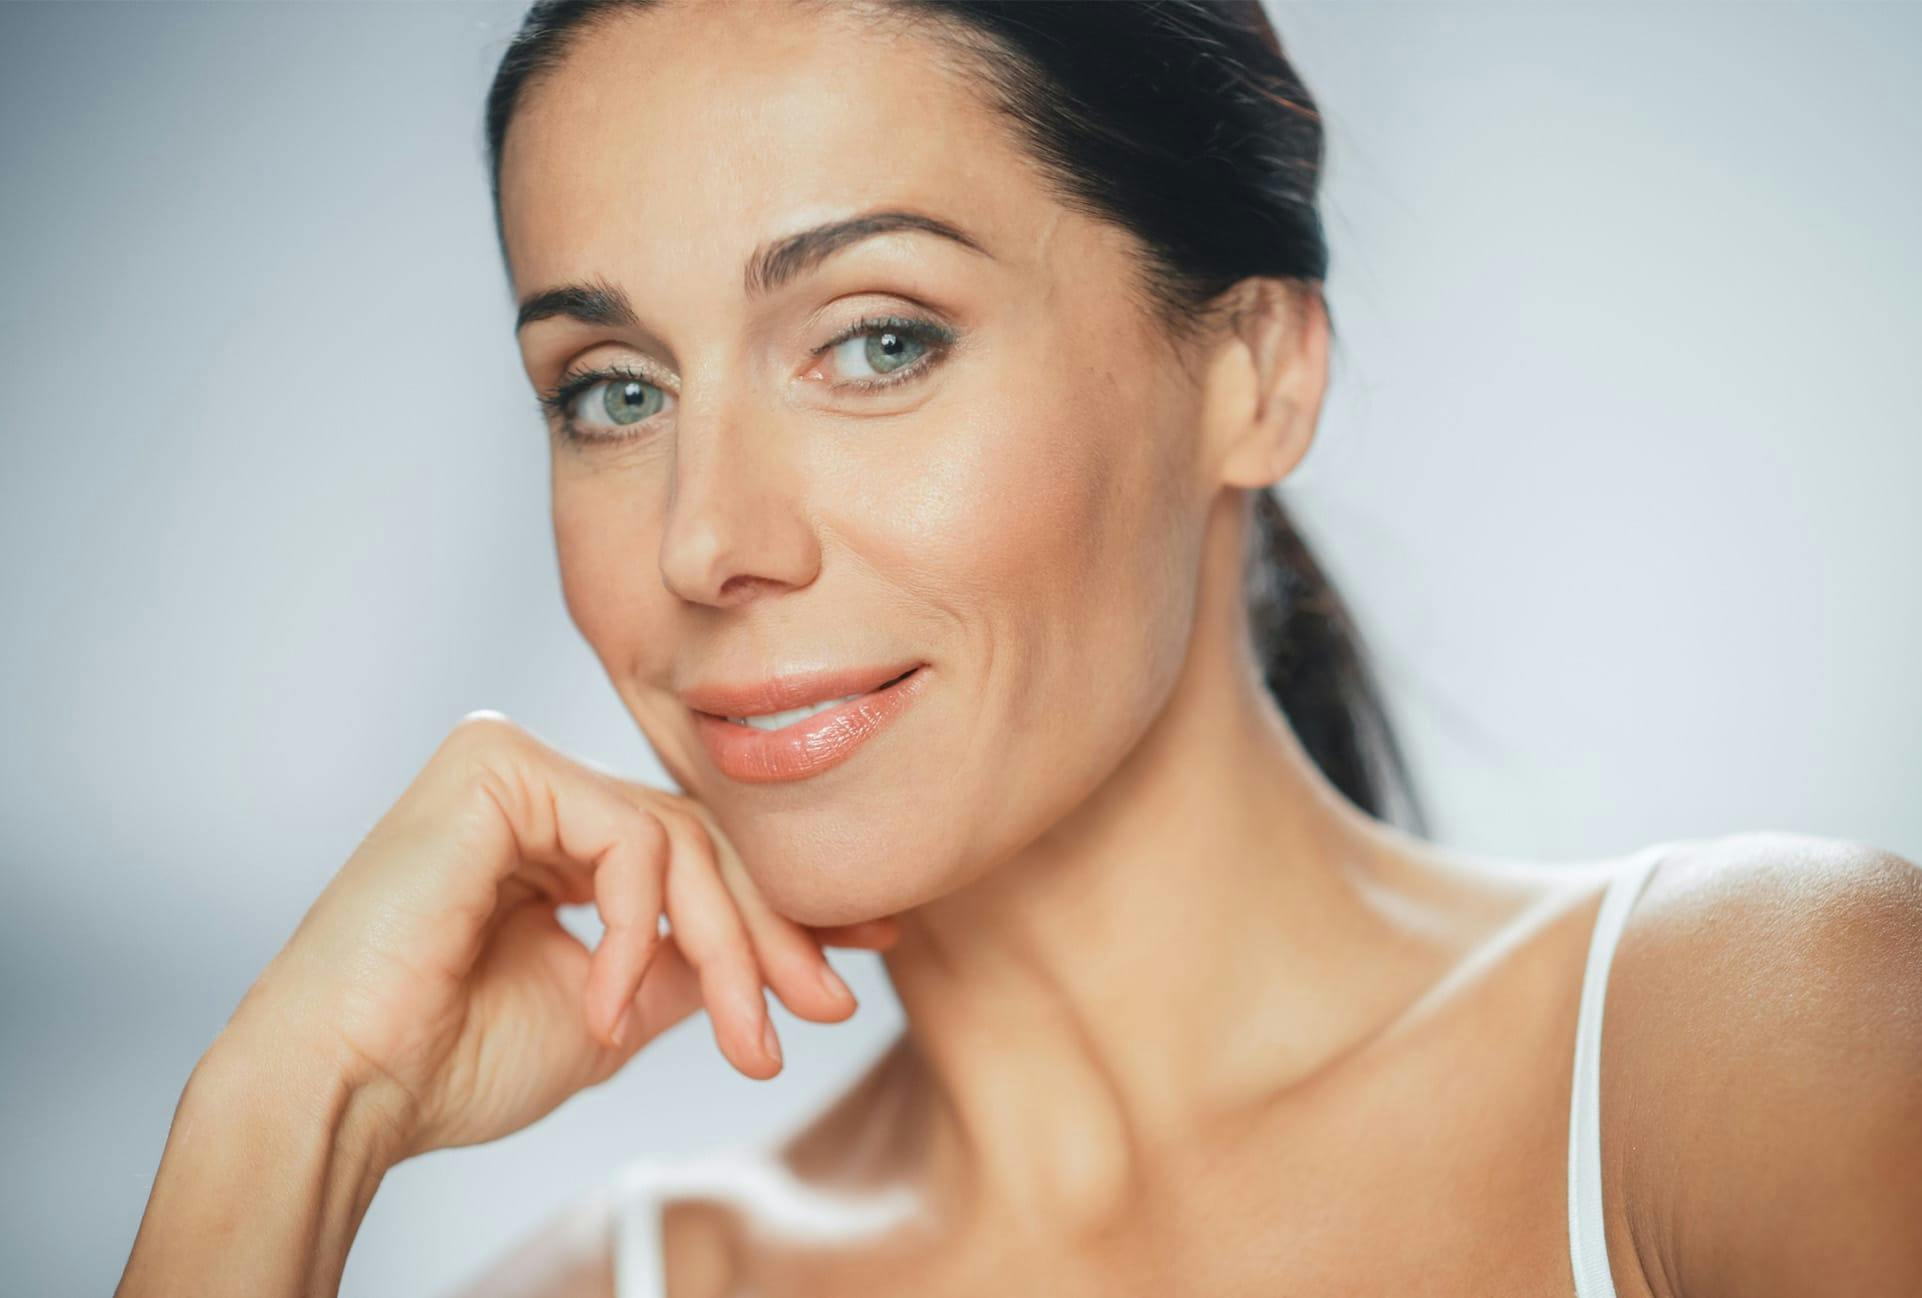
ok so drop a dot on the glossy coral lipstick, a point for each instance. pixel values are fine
(809, 744)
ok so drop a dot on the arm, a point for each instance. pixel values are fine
(430, 998)
(1786, 971)
(271, 1162)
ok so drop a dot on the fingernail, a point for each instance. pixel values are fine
(623, 1025)
(831, 983)
(771, 1042)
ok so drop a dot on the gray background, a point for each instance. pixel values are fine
(1618, 468)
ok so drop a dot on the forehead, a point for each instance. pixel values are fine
(678, 138)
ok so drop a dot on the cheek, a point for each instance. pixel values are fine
(1047, 522)
(1005, 509)
(1015, 498)
(1058, 519)
(610, 574)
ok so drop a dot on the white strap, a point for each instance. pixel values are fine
(638, 1269)
(1587, 1238)
(745, 1175)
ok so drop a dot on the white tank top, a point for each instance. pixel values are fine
(640, 1186)
(1587, 1240)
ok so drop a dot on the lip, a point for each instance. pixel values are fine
(796, 690)
(812, 744)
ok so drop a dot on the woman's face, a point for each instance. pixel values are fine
(1020, 511)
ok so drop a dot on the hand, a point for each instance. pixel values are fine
(434, 970)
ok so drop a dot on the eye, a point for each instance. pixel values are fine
(883, 351)
(596, 405)
(600, 405)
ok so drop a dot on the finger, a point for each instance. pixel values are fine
(529, 820)
(709, 928)
(669, 993)
(878, 933)
(629, 893)
(790, 957)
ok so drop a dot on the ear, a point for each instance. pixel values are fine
(1264, 382)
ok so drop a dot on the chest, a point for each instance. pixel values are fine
(1456, 1186)
(1436, 1162)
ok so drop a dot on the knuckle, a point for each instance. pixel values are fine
(682, 834)
(686, 808)
(705, 815)
(694, 833)
(484, 729)
(653, 837)
(687, 818)
(482, 765)
(641, 794)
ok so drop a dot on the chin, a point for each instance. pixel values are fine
(822, 870)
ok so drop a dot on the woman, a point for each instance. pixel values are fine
(916, 374)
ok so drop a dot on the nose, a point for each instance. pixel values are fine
(736, 526)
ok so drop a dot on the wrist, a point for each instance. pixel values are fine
(263, 1059)
(270, 1165)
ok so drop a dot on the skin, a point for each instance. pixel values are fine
(1180, 1018)
(1200, 969)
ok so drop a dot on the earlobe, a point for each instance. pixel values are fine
(1266, 387)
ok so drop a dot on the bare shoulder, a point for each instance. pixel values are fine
(1763, 1069)
(1798, 942)
(573, 1253)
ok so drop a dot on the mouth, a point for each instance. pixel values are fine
(777, 721)
(807, 738)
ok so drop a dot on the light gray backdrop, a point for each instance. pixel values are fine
(1619, 467)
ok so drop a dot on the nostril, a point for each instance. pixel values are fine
(741, 586)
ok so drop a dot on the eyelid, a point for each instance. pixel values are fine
(644, 370)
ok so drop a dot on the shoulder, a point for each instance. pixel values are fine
(1800, 942)
(1764, 1053)
(574, 1252)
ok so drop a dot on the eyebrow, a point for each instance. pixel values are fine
(772, 266)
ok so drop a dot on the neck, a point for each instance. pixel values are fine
(1212, 926)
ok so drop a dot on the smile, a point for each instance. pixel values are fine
(782, 720)
(802, 741)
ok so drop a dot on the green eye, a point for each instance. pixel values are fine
(887, 350)
(882, 351)
(628, 401)
(598, 404)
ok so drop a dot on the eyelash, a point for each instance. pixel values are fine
(937, 338)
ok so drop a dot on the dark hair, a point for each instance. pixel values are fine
(1183, 122)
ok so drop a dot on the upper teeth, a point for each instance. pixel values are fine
(776, 720)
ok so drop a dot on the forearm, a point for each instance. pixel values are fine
(268, 1169)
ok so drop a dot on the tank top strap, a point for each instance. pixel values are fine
(1587, 1238)
(636, 1226)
